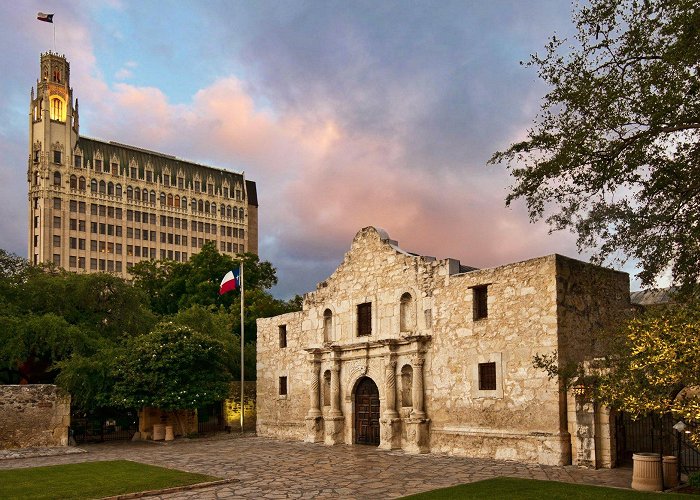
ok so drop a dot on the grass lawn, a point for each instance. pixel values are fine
(514, 488)
(91, 480)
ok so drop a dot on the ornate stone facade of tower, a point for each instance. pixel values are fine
(98, 206)
(53, 133)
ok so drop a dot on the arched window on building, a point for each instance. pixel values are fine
(327, 325)
(81, 183)
(170, 200)
(223, 210)
(57, 178)
(137, 194)
(327, 388)
(241, 213)
(103, 187)
(200, 205)
(73, 182)
(228, 211)
(93, 185)
(407, 313)
(194, 204)
(162, 199)
(57, 111)
(206, 207)
(406, 386)
(213, 208)
(177, 201)
(129, 193)
(118, 190)
(152, 196)
(183, 203)
(110, 188)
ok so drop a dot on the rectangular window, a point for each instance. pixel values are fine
(81, 245)
(283, 386)
(57, 259)
(283, 335)
(480, 300)
(184, 240)
(180, 182)
(57, 158)
(110, 211)
(81, 262)
(364, 319)
(73, 261)
(57, 203)
(57, 223)
(166, 180)
(149, 176)
(93, 245)
(93, 209)
(103, 210)
(118, 213)
(56, 241)
(78, 161)
(133, 173)
(115, 169)
(81, 207)
(73, 243)
(487, 376)
(73, 206)
(93, 264)
(81, 225)
(130, 215)
(73, 224)
(119, 266)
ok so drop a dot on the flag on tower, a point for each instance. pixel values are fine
(230, 282)
(47, 18)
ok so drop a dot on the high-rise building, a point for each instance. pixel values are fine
(99, 205)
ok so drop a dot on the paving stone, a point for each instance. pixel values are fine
(268, 468)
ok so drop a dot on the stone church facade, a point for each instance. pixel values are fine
(408, 352)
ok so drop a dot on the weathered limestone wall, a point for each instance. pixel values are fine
(282, 415)
(521, 419)
(33, 415)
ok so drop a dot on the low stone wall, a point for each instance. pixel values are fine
(33, 415)
(232, 406)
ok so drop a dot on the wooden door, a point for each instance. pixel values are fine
(367, 412)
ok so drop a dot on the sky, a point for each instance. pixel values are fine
(345, 113)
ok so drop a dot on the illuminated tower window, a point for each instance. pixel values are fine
(57, 109)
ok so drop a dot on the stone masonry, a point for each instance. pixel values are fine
(450, 351)
(33, 415)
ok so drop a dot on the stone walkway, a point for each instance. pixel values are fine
(268, 468)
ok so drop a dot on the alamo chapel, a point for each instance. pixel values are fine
(408, 352)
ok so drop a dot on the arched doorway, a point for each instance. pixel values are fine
(367, 412)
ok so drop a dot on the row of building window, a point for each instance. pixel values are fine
(406, 315)
(486, 382)
(109, 247)
(148, 175)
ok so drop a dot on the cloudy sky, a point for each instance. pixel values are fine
(345, 113)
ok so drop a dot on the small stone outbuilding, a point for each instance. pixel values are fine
(408, 352)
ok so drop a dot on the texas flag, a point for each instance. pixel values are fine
(230, 282)
(47, 18)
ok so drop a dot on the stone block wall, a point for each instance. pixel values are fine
(232, 406)
(33, 415)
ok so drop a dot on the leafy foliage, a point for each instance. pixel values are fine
(615, 151)
(173, 367)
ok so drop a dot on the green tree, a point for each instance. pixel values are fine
(173, 367)
(615, 152)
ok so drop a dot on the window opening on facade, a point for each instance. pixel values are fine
(283, 335)
(283, 386)
(487, 376)
(364, 319)
(480, 299)
(327, 325)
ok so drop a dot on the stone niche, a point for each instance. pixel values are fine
(33, 415)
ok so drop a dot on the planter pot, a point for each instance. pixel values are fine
(670, 471)
(158, 432)
(646, 472)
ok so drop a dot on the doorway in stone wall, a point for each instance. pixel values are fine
(367, 412)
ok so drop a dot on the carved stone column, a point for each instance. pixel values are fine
(334, 422)
(335, 390)
(417, 426)
(390, 423)
(417, 389)
(314, 421)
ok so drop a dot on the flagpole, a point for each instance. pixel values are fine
(242, 349)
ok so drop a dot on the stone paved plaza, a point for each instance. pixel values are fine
(267, 468)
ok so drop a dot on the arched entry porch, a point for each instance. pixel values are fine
(366, 412)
